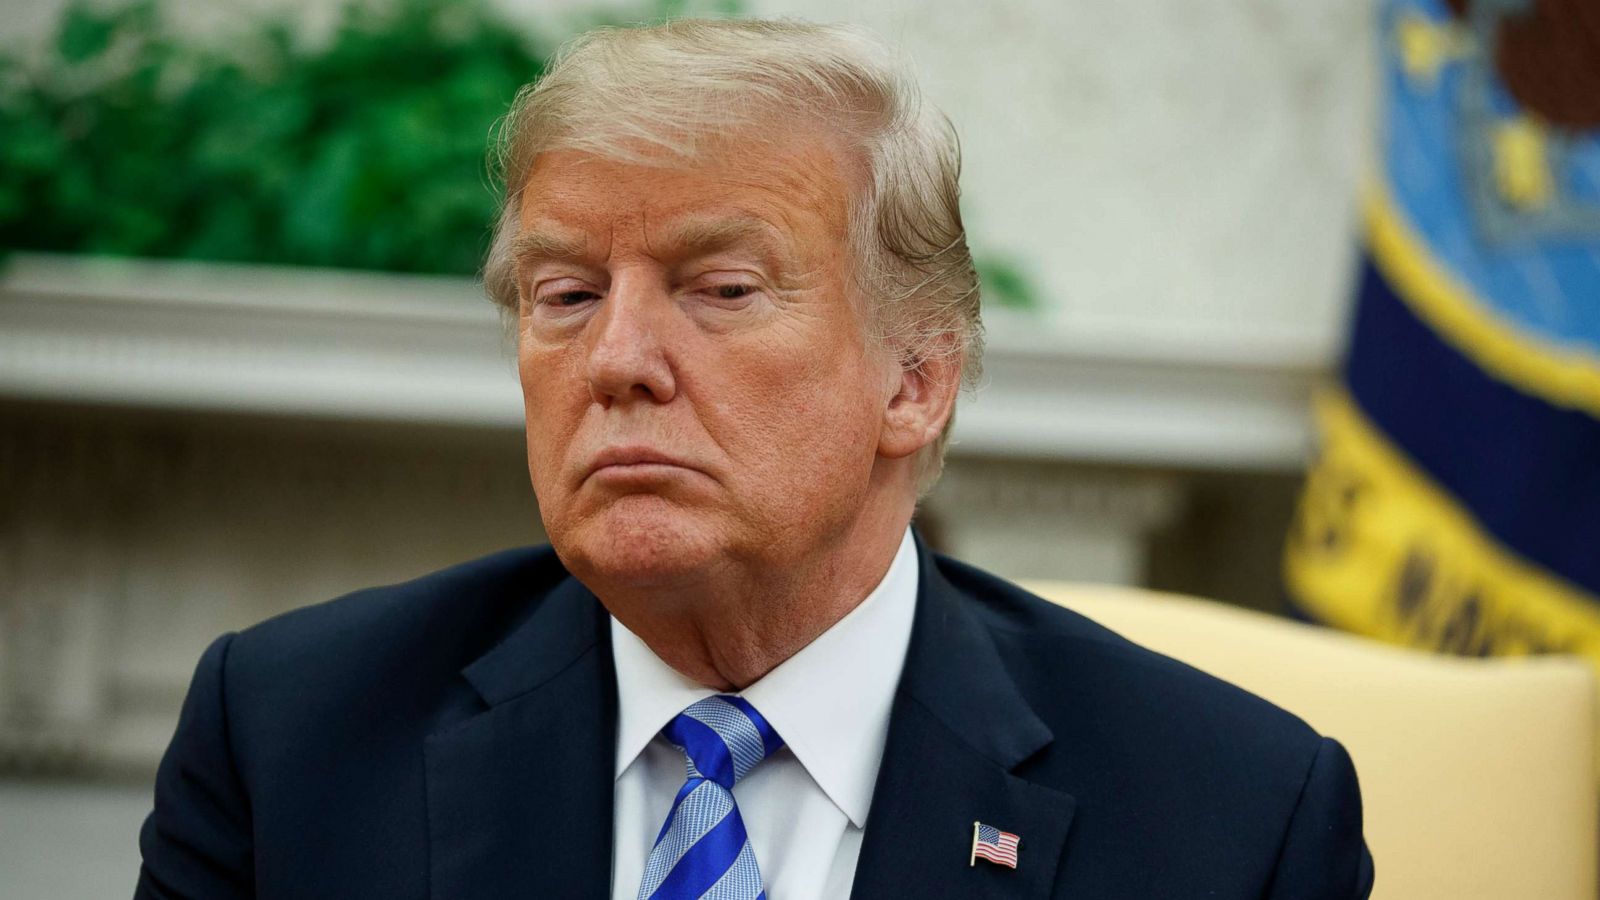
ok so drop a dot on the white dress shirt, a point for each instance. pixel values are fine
(805, 806)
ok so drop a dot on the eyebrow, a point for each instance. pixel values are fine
(687, 238)
(698, 236)
(534, 244)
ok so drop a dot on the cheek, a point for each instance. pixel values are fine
(804, 422)
(553, 405)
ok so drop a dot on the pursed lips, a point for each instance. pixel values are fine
(636, 458)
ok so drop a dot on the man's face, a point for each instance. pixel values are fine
(698, 386)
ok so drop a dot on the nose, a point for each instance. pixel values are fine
(627, 343)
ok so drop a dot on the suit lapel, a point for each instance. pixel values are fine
(520, 793)
(958, 730)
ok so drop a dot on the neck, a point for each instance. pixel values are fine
(734, 626)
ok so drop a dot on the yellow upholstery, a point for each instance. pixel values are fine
(1478, 776)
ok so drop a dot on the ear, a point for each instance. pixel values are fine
(923, 400)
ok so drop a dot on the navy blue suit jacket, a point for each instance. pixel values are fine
(452, 738)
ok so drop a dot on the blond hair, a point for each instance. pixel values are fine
(667, 91)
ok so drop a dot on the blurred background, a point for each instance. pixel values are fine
(1294, 305)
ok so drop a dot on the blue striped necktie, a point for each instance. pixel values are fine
(703, 850)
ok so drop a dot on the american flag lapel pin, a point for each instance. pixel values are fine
(989, 842)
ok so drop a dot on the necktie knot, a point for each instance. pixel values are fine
(723, 737)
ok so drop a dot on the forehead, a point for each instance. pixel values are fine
(794, 184)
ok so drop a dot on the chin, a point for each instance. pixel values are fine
(637, 541)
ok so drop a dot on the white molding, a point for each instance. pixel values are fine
(334, 343)
(296, 342)
(1132, 392)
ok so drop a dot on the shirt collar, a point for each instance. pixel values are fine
(830, 701)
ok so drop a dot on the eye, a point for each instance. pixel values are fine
(563, 293)
(729, 294)
(572, 298)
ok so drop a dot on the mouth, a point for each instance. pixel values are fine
(637, 463)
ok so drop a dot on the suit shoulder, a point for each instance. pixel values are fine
(1216, 782)
(1048, 647)
(467, 605)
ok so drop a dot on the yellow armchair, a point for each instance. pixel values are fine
(1478, 776)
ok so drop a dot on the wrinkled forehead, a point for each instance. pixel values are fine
(772, 176)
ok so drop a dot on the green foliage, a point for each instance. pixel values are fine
(366, 150)
(1005, 284)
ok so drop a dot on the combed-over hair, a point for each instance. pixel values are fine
(665, 93)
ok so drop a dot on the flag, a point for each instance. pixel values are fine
(994, 845)
(1455, 501)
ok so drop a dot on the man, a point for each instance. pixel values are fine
(743, 306)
